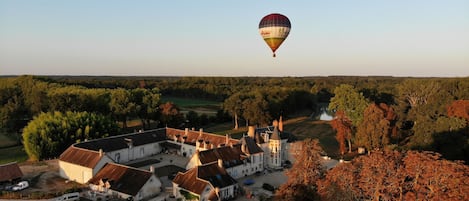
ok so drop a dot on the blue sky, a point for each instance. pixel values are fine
(220, 38)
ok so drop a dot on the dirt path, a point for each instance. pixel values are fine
(44, 178)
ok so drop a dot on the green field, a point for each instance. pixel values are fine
(304, 127)
(200, 106)
(10, 151)
(12, 154)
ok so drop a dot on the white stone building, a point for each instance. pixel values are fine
(124, 182)
(205, 182)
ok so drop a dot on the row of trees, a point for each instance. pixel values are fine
(388, 175)
(259, 107)
(25, 97)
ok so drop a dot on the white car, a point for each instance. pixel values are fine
(20, 186)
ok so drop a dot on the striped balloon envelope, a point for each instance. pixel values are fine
(274, 28)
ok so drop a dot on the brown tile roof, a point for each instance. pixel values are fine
(230, 155)
(193, 136)
(80, 156)
(197, 178)
(121, 141)
(122, 178)
(216, 175)
(10, 171)
(189, 181)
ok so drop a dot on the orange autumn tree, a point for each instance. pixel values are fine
(306, 171)
(459, 108)
(396, 175)
(378, 124)
(343, 125)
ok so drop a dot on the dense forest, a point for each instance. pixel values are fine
(372, 112)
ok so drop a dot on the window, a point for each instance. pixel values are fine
(117, 157)
(142, 152)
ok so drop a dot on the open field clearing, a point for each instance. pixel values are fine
(197, 105)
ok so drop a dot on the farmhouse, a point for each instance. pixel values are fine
(239, 160)
(125, 182)
(80, 165)
(205, 182)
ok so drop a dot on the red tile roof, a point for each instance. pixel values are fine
(197, 178)
(230, 155)
(193, 136)
(80, 156)
(189, 181)
(10, 171)
(122, 178)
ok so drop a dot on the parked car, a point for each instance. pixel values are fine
(20, 186)
(69, 196)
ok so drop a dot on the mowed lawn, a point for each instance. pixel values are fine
(200, 106)
(304, 127)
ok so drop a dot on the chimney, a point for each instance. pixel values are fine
(201, 131)
(152, 169)
(220, 163)
(280, 124)
(186, 131)
(227, 139)
(100, 152)
(129, 142)
(197, 143)
(251, 131)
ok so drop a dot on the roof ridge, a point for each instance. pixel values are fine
(129, 167)
(118, 136)
(10, 163)
(90, 150)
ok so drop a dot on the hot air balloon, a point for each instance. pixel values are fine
(274, 28)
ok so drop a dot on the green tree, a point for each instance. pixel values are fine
(255, 109)
(121, 105)
(49, 134)
(146, 104)
(349, 100)
(234, 106)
